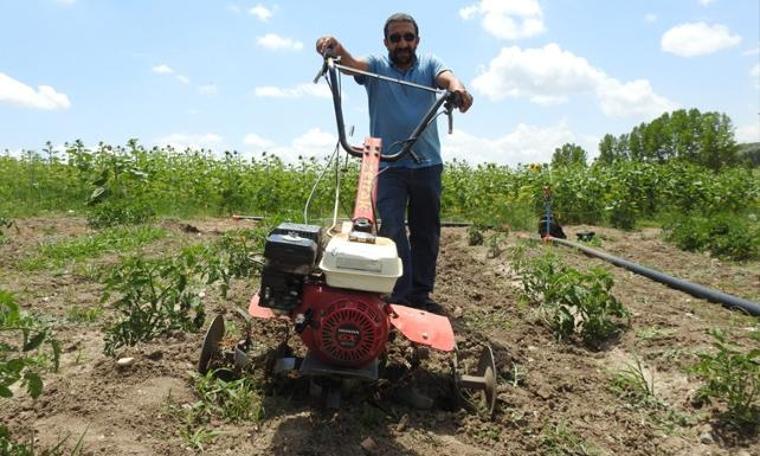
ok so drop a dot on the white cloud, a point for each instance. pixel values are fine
(182, 141)
(748, 133)
(299, 91)
(256, 141)
(549, 75)
(507, 19)
(275, 42)
(208, 89)
(706, 2)
(754, 73)
(261, 12)
(313, 143)
(162, 69)
(234, 9)
(66, 2)
(183, 79)
(752, 52)
(525, 144)
(650, 18)
(631, 99)
(698, 38)
(44, 97)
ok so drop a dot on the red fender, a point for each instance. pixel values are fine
(255, 310)
(423, 327)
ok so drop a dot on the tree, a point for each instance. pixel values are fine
(569, 155)
(703, 138)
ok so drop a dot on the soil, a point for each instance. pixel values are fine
(554, 397)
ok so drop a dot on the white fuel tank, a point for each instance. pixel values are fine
(360, 265)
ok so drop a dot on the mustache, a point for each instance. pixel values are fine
(403, 53)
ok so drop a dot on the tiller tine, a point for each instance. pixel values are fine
(214, 335)
(484, 380)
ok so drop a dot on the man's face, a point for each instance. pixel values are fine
(401, 42)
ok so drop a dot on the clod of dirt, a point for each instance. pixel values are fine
(369, 445)
(125, 362)
(402, 423)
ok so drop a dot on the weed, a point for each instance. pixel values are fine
(22, 361)
(475, 234)
(631, 383)
(560, 440)
(79, 314)
(112, 240)
(234, 400)
(8, 446)
(4, 224)
(727, 236)
(731, 376)
(495, 244)
(648, 333)
(571, 301)
(155, 296)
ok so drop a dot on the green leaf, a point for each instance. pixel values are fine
(35, 341)
(33, 384)
(5, 392)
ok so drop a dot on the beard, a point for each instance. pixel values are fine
(403, 56)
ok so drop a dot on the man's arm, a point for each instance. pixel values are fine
(447, 80)
(325, 42)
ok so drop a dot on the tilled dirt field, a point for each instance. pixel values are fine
(553, 398)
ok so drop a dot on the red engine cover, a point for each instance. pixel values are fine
(348, 328)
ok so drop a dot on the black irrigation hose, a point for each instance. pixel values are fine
(693, 289)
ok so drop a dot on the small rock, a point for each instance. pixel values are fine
(125, 362)
(706, 438)
(369, 445)
(457, 313)
(401, 426)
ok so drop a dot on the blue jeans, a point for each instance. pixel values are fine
(415, 192)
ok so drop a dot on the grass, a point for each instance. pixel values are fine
(80, 314)
(113, 240)
(560, 440)
(648, 333)
(634, 385)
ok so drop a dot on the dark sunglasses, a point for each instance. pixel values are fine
(396, 37)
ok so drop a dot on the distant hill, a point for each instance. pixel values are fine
(751, 151)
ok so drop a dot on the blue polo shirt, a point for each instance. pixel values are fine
(394, 109)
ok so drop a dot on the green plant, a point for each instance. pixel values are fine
(631, 383)
(732, 376)
(21, 360)
(111, 240)
(154, 297)
(560, 440)
(79, 314)
(475, 234)
(724, 235)
(234, 400)
(4, 224)
(231, 257)
(10, 447)
(571, 301)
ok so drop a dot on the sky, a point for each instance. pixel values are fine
(237, 75)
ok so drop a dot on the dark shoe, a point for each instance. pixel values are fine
(396, 300)
(427, 304)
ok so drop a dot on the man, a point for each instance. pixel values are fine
(406, 186)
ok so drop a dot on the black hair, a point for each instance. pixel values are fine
(400, 17)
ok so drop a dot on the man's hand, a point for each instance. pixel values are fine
(329, 42)
(465, 98)
(448, 81)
